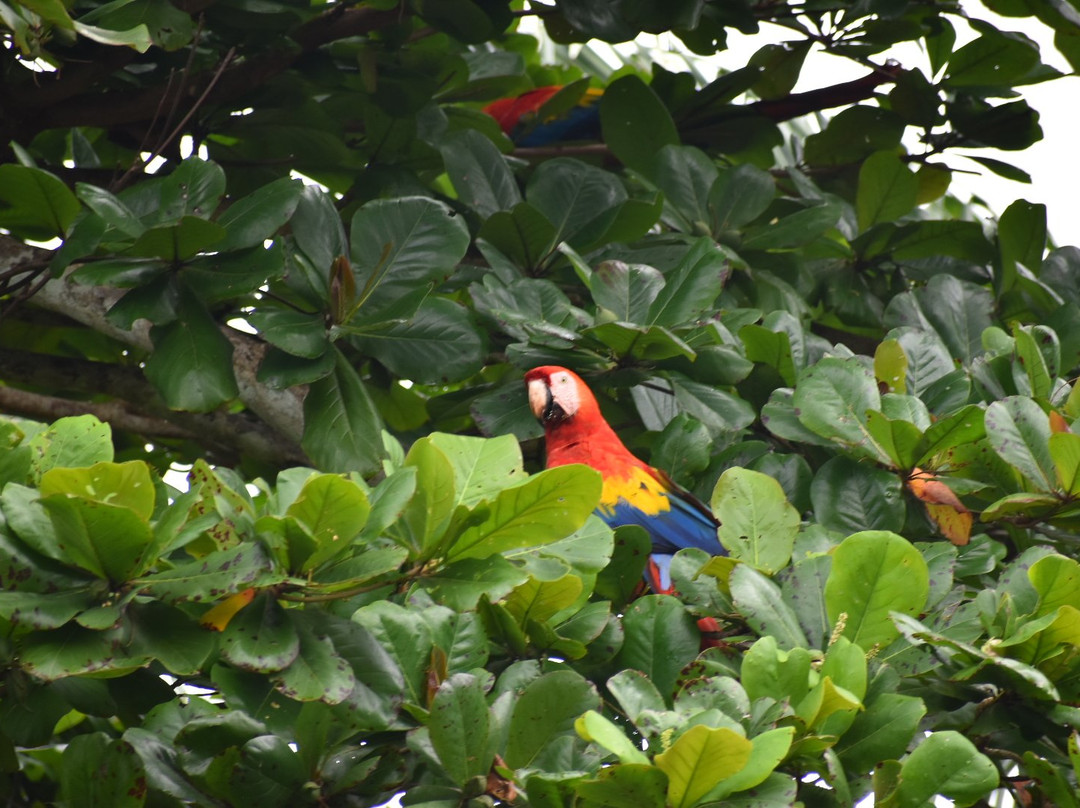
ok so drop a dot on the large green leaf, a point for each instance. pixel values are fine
(1019, 431)
(479, 173)
(546, 709)
(439, 344)
(636, 125)
(191, 365)
(341, 424)
(549, 506)
(757, 523)
(692, 286)
(400, 244)
(34, 203)
(99, 771)
(660, 639)
(758, 598)
(108, 540)
(875, 572)
(946, 764)
(699, 760)
(848, 496)
(832, 398)
(459, 726)
(579, 199)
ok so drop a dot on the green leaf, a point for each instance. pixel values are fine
(993, 59)
(887, 189)
(256, 217)
(1057, 581)
(594, 727)
(625, 786)
(625, 290)
(1065, 452)
(692, 286)
(769, 750)
(699, 760)
(107, 540)
(768, 671)
(209, 578)
(581, 200)
(35, 204)
(127, 485)
(177, 242)
(261, 637)
(74, 651)
(945, 764)
(739, 196)
(317, 673)
(479, 172)
(635, 123)
(1021, 240)
(685, 175)
(98, 771)
(759, 600)
(650, 343)
(334, 510)
(546, 709)
(459, 724)
(660, 639)
(111, 209)
(405, 637)
(44, 611)
(294, 332)
(341, 424)
(523, 234)
(538, 600)
(963, 426)
(875, 572)
(882, 732)
(400, 244)
(439, 344)
(757, 523)
(794, 230)
(191, 365)
(833, 397)
(849, 496)
(1019, 431)
(71, 442)
(547, 507)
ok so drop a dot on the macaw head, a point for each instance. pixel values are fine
(557, 395)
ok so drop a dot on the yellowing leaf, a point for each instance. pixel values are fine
(699, 760)
(943, 507)
(219, 616)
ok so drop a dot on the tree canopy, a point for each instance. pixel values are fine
(283, 245)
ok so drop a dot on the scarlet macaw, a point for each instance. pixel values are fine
(633, 492)
(517, 118)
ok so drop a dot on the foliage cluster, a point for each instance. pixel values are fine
(364, 591)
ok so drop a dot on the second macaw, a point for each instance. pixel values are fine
(633, 492)
(518, 118)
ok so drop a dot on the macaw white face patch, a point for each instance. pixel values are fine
(559, 392)
(564, 392)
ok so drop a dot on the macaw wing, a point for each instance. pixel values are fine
(673, 517)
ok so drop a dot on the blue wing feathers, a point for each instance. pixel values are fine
(682, 526)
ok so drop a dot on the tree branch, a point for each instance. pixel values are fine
(280, 411)
(137, 406)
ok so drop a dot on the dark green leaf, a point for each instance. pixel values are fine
(636, 124)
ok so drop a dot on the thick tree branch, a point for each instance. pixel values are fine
(280, 411)
(137, 406)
